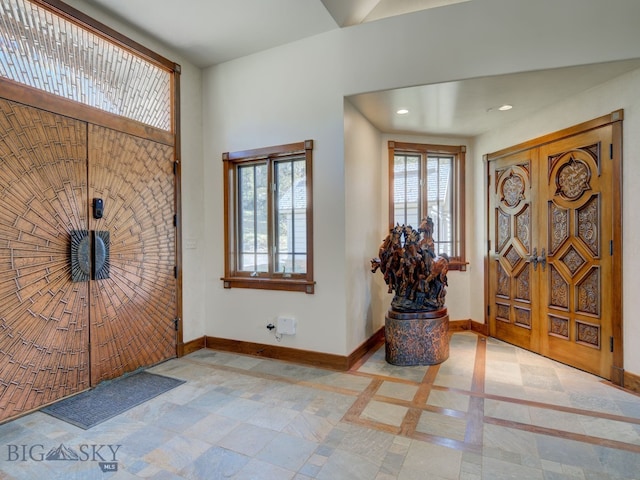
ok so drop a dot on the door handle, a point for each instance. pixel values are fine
(538, 259)
(89, 255)
(101, 244)
(80, 255)
(542, 259)
(534, 258)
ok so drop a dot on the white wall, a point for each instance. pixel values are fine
(295, 92)
(366, 293)
(281, 96)
(192, 167)
(622, 92)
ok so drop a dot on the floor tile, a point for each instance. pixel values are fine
(384, 413)
(287, 451)
(247, 439)
(250, 417)
(442, 425)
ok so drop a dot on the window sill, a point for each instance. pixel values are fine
(458, 266)
(292, 285)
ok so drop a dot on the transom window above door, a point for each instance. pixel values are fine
(43, 48)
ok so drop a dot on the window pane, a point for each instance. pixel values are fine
(440, 201)
(252, 229)
(47, 52)
(406, 186)
(291, 216)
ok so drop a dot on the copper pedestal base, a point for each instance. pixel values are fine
(416, 338)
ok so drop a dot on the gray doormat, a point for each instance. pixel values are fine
(110, 398)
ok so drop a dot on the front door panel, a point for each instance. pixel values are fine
(82, 299)
(133, 308)
(551, 263)
(44, 332)
(578, 230)
(513, 255)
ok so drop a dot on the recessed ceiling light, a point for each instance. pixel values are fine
(402, 111)
(505, 107)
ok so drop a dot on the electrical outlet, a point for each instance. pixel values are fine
(286, 326)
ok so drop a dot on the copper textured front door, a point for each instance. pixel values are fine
(44, 317)
(60, 333)
(552, 258)
(132, 310)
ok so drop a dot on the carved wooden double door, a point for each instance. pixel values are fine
(64, 325)
(551, 261)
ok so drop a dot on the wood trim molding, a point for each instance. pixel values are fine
(470, 325)
(76, 16)
(365, 347)
(69, 108)
(191, 346)
(613, 117)
(631, 382)
(304, 357)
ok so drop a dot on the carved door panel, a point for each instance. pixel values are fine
(44, 333)
(577, 234)
(67, 323)
(513, 255)
(551, 264)
(133, 307)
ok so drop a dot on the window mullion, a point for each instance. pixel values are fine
(292, 246)
(424, 190)
(272, 216)
(255, 217)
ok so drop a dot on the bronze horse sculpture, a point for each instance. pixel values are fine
(411, 269)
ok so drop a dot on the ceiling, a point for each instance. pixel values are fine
(208, 32)
(470, 107)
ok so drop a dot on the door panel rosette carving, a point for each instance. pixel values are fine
(587, 334)
(587, 220)
(558, 226)
(559, 327)
(558, 288)
(591, 152)
(512, 185)
(573, 179)
(503, 311)
(523, 317)
(587, 293)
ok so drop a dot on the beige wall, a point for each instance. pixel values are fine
(364, 201)
(297, 91)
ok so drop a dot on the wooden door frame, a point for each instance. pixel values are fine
(614, 119)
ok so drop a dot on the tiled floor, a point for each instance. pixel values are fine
(491, 411)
